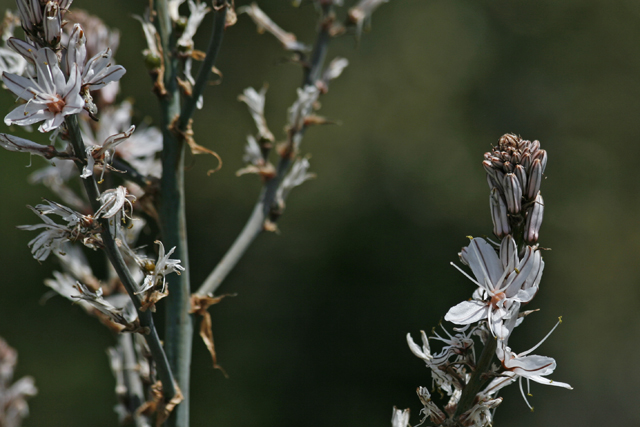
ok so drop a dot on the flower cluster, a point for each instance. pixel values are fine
(60, 75)
(507, 275)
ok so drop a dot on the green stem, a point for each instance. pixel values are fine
(178, 321)
(478, 378)
(119, 265)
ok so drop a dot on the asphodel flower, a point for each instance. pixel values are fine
(50, 97)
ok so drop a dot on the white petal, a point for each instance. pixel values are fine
(467, 312)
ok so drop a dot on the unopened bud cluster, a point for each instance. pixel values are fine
(514, 172)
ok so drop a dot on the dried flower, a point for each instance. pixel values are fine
(255, 101)
(264, 23)
(197, 13)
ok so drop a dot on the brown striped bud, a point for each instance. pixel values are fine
(535, 178)
(499, 214)
(534, 221)
(512, 193)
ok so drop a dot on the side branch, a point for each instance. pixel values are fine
(265, 204)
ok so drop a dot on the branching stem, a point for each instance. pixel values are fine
(119, 265)
(264, 205)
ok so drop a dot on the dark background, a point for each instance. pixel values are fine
(316, 334)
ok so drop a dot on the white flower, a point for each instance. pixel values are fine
(445, 381)
(264, 23)
(481, 415)
(252, 152)
(14, 143)
(303, 106)
(363, 11)
(524, 366)
(255, 101)
(51, 239)
(49, 98)
(400, 418)
(12, 62)
(117, 315)
(104, 153)
(430, 409)
(115, 202)
(158, 270)
(100, 71)
(503, 282)
(296, 176)
(198, 11)
(334, 69)
(54, 235)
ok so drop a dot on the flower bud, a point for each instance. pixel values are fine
(535, 146)
(512, 193)
(509, 139)
(77, 49)
(522, 176)
(542, 155)
(534, 220)
(526, 161)
(508, 167)
(535, 178)
(499, 214)
(509, 253)
(53, 23)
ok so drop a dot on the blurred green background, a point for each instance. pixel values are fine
(317, 332)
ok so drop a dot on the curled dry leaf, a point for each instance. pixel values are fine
(156, 404)
(200, 305)
(187, 136)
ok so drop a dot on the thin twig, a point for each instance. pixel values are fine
(219, 20)
(119, 265)
(131, 173)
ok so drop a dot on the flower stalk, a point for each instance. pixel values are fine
(115, 257)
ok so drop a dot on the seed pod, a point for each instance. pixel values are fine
(535, 178)
(534, 221)
(513, 193)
